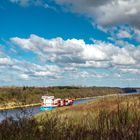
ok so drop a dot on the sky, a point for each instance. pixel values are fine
(70, 42)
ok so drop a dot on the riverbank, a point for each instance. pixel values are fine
(12, 106)
(32, 95)
(2, 108)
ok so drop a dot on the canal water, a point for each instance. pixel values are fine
(31, 111)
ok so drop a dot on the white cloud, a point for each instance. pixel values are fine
(21, 2)
(24, 76)
(119, 33)
(137, 35)
(13, 69)
(85, 74)
(103, 12)
(130, 70)
(94, 64)
(123, 58)
(66, 59)
(124, 34)
(106, 12)
(77, 52)
(26, 3)
(5, 61)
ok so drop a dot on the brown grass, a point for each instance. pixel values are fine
(115, 118)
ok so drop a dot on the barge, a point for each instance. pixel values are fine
(50, 103)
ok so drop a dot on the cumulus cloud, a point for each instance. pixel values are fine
(77, 52)
(103, 12)
(71, 58)
(106, 12)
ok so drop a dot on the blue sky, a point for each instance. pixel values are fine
(67, 42)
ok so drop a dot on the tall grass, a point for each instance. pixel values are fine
(120, 123)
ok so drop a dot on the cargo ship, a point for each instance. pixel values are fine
(50, 103)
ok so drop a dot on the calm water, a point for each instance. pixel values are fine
(29, 112)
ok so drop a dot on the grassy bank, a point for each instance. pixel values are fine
(13, 97)
(10, 106)
(16, 105)
(115, 118)
(93, 108)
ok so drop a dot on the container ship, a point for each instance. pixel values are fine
(50, 103)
